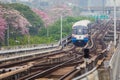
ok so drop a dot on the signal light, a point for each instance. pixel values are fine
(86, 53)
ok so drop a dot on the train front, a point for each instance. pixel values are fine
(80, 35)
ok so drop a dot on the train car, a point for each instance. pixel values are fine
(80, 32)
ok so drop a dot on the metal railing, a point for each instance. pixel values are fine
(114, 63)
(23, 48)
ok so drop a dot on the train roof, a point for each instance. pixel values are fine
(82, 23)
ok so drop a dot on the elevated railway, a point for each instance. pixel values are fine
(50, 65)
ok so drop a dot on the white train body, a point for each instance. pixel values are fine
(80, 32)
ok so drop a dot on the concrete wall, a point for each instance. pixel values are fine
(91, 75)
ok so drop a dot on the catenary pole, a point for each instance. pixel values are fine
(114, 23)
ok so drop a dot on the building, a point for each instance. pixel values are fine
(83, 3)
(111, 3)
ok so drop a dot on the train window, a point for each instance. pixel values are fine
(85, 31)
(74, 31)
(79, 31)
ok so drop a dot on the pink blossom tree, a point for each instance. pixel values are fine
(14, 21)
(43, 15)
(17, 21)
(2, 28)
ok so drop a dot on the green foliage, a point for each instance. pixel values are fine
(34, 19)
(33, 30)
(43, 32)
(54, 30)
(41, 40)
(31, 40)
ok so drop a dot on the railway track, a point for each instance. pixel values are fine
(98, 47)
(74, 71)
(38, 57)
(48, 65)
(60, 55)
(46, 72)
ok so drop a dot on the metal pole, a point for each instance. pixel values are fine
(47, 32)
(114, 23)
(28, 39)
(103, 7)
(86, 70)
(8, 36)
(89, 10)
(61, 30)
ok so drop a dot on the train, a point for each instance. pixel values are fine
(80, 32)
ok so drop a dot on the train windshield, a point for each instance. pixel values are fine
(74, 31)
(85, 31)
(80, 30)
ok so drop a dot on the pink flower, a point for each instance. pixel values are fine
(43, 15)
(2, 28)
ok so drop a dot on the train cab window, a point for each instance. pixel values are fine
(79, 31)
(85, 31)
(74, 31)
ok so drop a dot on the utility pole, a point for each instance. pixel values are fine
(89, 10)
(7, 32)
(114, 23)
(8, 35)
(47, 31)
(28, 39)
(61, 31)
(103, 6)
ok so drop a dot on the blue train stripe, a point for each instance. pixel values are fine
(74, 40)
(85, 40)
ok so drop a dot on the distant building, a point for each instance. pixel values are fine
(83, 3)
(14, 0)
(24, 0)
(97, 3)
(111, 3)
(30, 0)
(6, 1)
